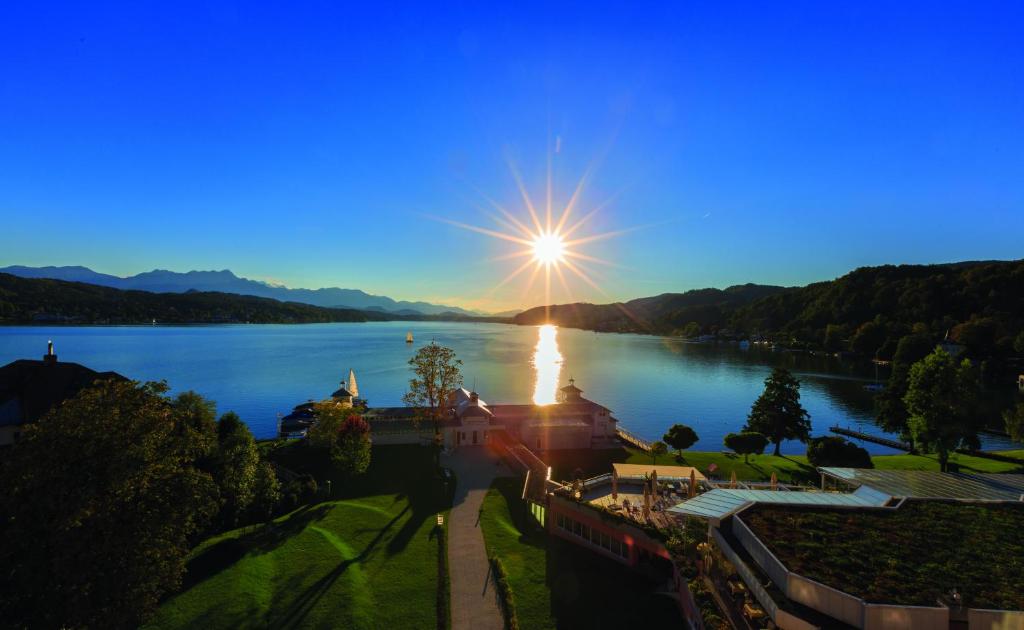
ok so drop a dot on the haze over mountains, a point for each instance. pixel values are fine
(163, 281)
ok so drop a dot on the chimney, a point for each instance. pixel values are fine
(474, 397)
(49, 358)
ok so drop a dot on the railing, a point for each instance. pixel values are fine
(629, 438)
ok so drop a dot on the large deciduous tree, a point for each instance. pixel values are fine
(436, 374)
(831, 450)
(102, 497)
(940, 401)
(351, 452)
(892, 412)
(777, 412)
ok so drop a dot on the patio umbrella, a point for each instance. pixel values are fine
(615, 485)
(732, 480)
(693, 483)
(654, 480)
(647, 502)
(775, 482)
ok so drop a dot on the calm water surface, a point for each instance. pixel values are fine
(649, 382)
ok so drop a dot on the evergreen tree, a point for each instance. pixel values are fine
(777, 412)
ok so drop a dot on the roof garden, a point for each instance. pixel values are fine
(909, 556)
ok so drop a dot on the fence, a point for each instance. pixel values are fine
(629, 438)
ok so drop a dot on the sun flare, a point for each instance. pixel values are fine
(548, 248)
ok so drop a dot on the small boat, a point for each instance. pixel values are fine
(408, 337)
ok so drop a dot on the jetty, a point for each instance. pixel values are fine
(896, 444)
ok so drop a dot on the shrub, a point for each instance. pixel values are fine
(505, 596)
(835, 451)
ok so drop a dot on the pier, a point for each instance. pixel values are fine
(629, 438)
(902, 446)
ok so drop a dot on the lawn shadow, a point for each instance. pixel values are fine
(220, 556)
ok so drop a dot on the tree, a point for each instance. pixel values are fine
(892, 413)
(657, 450)
(1014, 419)
(746, 443)
(329, 417)
(235, 466)
(102, 496)
(777, 412)
(266, 493)
(868, 338)
(351, 452)
(680, 437)
(835, 451)
(197, 423)
(691, 330)
(436, 374)
(940, 400)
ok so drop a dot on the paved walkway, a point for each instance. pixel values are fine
(474, 601)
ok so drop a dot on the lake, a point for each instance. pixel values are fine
(260, 371)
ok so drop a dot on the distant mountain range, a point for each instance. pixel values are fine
(163, 281)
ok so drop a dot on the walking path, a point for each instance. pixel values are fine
(474, 600)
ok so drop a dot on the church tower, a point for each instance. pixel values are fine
(352, 387)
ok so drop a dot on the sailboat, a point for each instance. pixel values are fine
(408, 337)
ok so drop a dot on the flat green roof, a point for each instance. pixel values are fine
(923, 484)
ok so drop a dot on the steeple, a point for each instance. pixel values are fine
(50, 357)
(352, 386)
(570, 393)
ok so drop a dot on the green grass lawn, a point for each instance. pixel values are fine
(559, 585)
(368, 560)
(759, 467)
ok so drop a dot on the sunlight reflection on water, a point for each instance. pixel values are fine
(547, 363)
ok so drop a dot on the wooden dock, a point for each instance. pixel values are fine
(629, 438)
(896, 444)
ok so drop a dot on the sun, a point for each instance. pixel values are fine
(548, 248)
(550, 241)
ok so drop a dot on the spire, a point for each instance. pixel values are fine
(352, 386)
(49, 357)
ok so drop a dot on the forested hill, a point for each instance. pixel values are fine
(26, 301)
(980, 305)
(668, 313)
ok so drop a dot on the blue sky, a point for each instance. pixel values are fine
(310, 143)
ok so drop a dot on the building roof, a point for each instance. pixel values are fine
(664, 472)
(923, 484)
(722, 502)
(341, 392)
(33, 387)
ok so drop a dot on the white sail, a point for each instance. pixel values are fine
(408, 337)
(352, 386)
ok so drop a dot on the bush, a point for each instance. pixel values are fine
(835, 451)
(505, 597)
(444, 584)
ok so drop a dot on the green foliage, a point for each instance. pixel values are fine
(329, 417)
(892, 412)
(868, 339)
(197, 423)
(32, 300)
(351, 451)
(506, 598)
(266, 493)
(835, 451)
(896, 298)
(907, 556)
(777, 412)
(101, 498)
(436, 374)
(746, 443)
(680, 437)
(940, 402)
(691, 330)
(658, 449)
(444, 581)
(235, 468)
(1014, 419)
